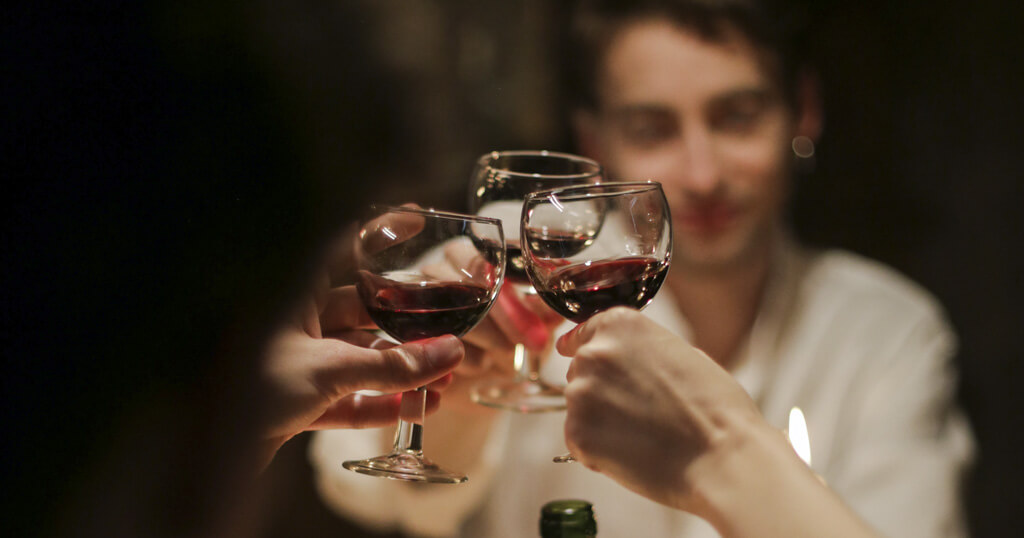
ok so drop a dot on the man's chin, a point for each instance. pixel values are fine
(710, 257)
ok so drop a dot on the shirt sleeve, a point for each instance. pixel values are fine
(388, 505)
(908, 445)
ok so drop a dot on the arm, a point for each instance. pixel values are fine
(664, 420)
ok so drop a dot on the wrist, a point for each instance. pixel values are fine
(747, 462)
(754, 484)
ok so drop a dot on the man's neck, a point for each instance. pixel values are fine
(721, 306)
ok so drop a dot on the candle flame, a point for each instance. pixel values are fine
(798, 437)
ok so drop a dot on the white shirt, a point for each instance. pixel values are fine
(865, 353)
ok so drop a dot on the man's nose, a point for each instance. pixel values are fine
(699, 170)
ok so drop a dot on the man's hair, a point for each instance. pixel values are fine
(774, 27)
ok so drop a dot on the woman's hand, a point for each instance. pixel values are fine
(312, 381)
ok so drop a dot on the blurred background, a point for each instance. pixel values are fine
(391, 100)
(919, 166)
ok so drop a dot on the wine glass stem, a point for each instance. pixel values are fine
(526, 364)
(409, 435)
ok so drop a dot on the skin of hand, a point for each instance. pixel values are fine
(312, 380)
(643, 404)
(666, 421)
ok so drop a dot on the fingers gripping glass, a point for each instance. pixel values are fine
(591, 248)
(411, 296)
(501, 181)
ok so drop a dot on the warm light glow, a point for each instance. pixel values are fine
(798, 436)
(518, 357)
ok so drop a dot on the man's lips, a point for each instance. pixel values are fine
(707, 218)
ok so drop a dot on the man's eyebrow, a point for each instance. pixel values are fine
(752, 93)
(638, 109)
(745, 93)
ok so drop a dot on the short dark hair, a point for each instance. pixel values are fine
(775, 27)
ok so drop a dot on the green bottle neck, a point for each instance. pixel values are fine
(568, 519)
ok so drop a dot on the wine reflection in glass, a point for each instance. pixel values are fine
(501, 180)
(591, 248)
(407, 301)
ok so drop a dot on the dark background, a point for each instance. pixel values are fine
(173, 165)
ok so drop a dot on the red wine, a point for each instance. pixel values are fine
(515, 269)
(581, 290)
(557, 244)
(413, 310)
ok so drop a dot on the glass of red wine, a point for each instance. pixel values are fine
(591, 248)
(501, 181)
(395, 252)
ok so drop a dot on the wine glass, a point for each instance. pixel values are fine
(591, 248)
(501, 180)
(405, 297)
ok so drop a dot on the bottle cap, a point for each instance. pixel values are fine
(570, 514)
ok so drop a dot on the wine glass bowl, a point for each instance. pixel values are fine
(394, 253)
(580, 271)
(591, 248)
(501, 181)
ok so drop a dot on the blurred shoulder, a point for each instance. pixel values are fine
(859, 287)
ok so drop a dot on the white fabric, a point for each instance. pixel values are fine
(861, 350)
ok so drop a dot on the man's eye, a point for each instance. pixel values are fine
(648, 132)
(737, 120)
(738, 117)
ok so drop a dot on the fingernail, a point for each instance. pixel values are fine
(560, 343)
(443, 352)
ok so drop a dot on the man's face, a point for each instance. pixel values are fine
(707, 121)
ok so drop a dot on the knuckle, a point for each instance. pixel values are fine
(400, 361)
(581, 396)
(621, 316)
(596, 358)
(575, 392)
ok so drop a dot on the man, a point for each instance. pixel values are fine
(708, 99)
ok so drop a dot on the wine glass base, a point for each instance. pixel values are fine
(405, 466)
(564, 458)
(520, 396)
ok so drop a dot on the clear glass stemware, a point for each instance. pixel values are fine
(501, 181)
(409, 302)
(591, 248)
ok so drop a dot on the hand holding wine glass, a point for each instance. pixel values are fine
(404, 299)
(591, 248)
(661, 418)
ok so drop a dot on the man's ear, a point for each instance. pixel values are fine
(810, 114)
(588, 137)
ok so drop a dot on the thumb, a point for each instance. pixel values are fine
(400, 368)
